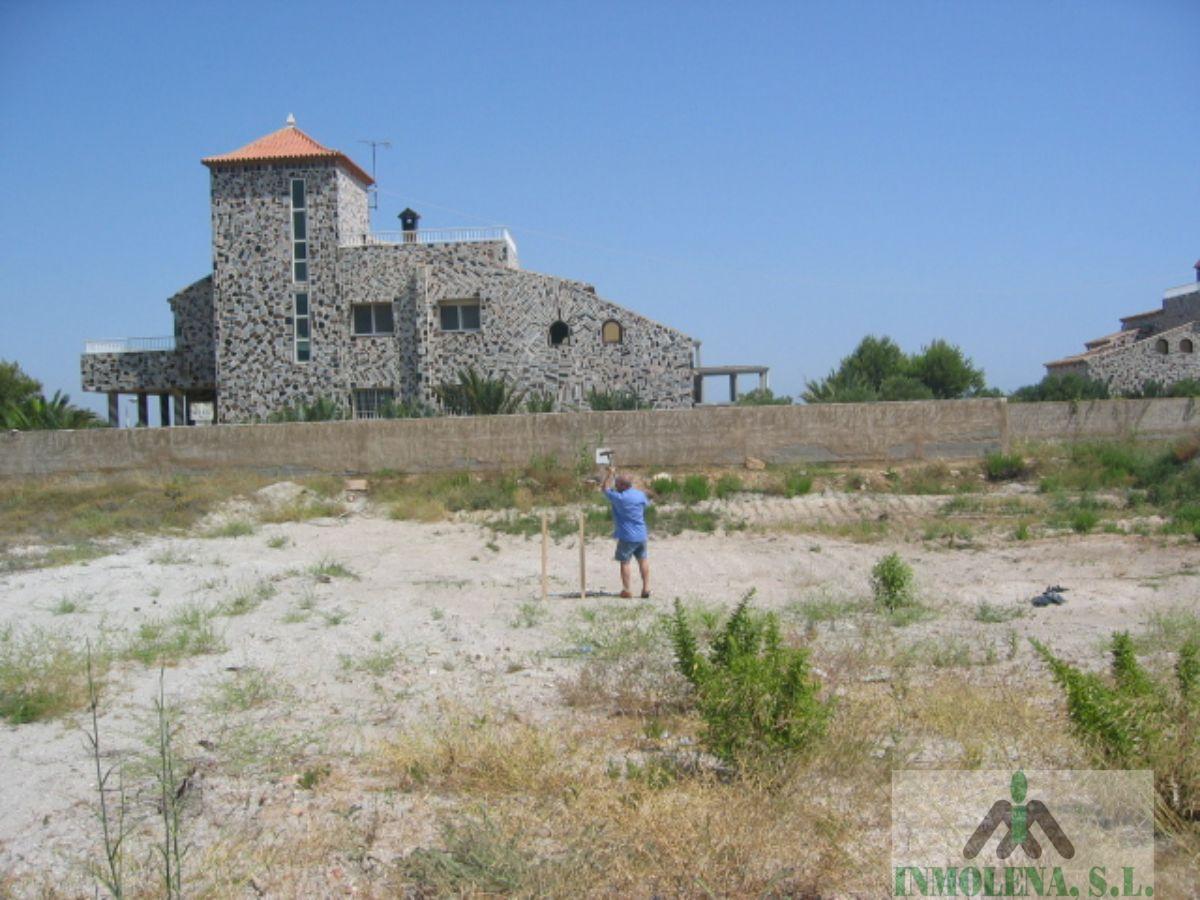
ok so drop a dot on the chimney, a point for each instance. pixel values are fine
(408, 224)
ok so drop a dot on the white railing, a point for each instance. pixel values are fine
(129, 345)
(1181, 290)
(441, 236)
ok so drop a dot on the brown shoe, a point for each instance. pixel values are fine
(625, 595)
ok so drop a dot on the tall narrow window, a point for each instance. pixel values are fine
(299, 231)
(303, 333)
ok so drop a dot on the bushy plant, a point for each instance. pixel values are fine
(796, 484)
(694, 488)
(1132, 720)
(1003, 466)
(1061, 387)
(543, 402)
(756, 696)
(893, 582)
(38, 413)
(405, 409)
(877, 369)
(763, 397)
(727, 485)
(479, 395)
(323, 409)
(664, 486)
(608, 400)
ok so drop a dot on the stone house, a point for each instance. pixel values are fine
(305, 302)
(1159, 345)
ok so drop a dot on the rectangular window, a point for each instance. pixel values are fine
(299, 232)
(372, 403)
(373, 318)
(459, 315)
(302, 338)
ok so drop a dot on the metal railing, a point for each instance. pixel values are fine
(1181, 290)
(129, 345)
(441, 236)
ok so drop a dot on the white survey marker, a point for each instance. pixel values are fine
(604, 456)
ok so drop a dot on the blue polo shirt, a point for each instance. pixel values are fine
(628, 508)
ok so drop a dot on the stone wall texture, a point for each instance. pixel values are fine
(1131, 358)
(1128, 368)
(256, 369)
(703, 436)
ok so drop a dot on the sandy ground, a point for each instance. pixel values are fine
(447, 601)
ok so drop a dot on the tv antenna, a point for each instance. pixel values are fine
(373, 197)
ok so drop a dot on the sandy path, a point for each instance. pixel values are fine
(450, 605)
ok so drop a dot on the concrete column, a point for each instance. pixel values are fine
(762, 380)
(114, 409)
(733, 387)
(143, 418)
(180, 415)
(164, 410)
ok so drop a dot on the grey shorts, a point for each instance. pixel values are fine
(626, 549)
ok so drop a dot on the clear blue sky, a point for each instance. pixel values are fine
(775, 179)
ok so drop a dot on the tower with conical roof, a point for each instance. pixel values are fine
(281, 207)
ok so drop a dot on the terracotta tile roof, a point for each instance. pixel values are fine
(288, 144)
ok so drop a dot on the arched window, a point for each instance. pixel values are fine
(1185, 346)
(1160, 346)
(612, 332)
(559, 334)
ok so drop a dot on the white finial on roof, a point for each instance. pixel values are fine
(291, 121)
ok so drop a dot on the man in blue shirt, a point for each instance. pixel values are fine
(628, 511)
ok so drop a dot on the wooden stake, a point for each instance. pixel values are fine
(545, 555)
(582, 555)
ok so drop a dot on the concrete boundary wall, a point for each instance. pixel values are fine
(860, 432)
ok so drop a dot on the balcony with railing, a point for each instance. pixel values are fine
(441, 236)
(129, 345)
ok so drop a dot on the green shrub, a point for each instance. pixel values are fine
(763, 397)
(756, 696)
(665, 486)
(540, 403)
(796, 484)
(694, 488)
(1084, 520)
(478, 395)
(607, 400)
(892, 582)
(323, 409)
(1061, 387)
(1132, 720)
(1003, 466)
(726, 485)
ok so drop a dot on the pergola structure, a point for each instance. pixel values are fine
(732, 373)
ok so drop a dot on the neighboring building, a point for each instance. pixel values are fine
(305, 302)
(1159, 345)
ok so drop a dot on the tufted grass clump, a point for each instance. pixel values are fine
(1003, 466)
(893, 583)
(756, 696)
(43, 675)
(694, 489)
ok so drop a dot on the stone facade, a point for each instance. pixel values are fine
(1159, 346)
(236, 330)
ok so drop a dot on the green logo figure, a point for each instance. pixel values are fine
(1019, 817)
